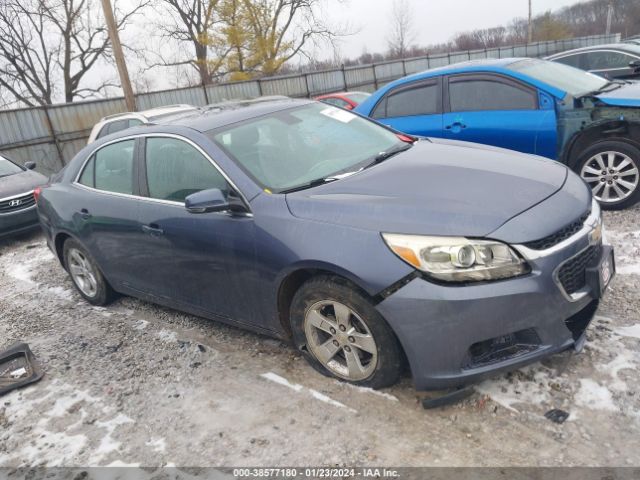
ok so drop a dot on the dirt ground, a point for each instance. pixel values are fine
(136, 384)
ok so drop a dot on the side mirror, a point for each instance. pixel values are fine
(30, 165)
(635, 65)
(212, 200)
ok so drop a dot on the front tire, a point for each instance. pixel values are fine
(342, 335)
(611, 169)
(85, 274)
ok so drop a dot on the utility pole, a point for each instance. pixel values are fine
(609, 17)
(119, 56)
(530, 33)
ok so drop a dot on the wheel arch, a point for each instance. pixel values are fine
(624, 131)
(291, 281)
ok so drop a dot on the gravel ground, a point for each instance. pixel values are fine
(137, 384)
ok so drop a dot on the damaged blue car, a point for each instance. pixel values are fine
(535, 106)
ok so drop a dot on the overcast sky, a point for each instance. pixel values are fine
(435, 21)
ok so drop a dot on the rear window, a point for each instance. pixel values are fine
(111, 168)
(419, 100)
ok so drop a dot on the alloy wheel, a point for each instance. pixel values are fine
(612, 176)
(340, 340)
(82, 273)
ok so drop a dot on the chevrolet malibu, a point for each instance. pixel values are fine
(307, 222)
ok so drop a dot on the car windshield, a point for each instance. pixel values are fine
(357, 97)
(7, 167)
(288, 149)
(572, 80)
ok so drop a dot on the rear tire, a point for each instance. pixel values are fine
(85, 274)
(342, 335)
(611, 169)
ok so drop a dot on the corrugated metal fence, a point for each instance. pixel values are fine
(51, 136)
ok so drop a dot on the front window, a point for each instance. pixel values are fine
(571, 80)
(292, 148)
(7, 167)
(176, 169)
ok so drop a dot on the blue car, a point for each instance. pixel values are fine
(533, 106)
(308, 222)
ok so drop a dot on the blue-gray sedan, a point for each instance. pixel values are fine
(366, 248)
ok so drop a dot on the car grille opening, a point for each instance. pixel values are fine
(17, 203)
(501, 348)
(578, 323)
(572, 275)
(560, 235)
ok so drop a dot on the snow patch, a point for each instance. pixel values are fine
(368, 390)
(594, 396)
(633, 331)
(107, 443)
(159, 445)
(140, 325)
(507, 394)
(272, 377)
(168, 336)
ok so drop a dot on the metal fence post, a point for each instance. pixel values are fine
(306, 82)
(344, 77)
(206, 95)
(375, 76)
(259, 80)
(54, 138)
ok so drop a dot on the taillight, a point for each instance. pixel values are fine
(405, 138)
(36, 193)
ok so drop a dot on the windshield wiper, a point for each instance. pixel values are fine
(387, 154)
(313, 183)
(606, 88)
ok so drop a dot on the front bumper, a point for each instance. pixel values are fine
(18, 222)
(454, 335)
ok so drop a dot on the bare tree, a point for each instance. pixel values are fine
(48, 43)
(402, 30)
(194, 23)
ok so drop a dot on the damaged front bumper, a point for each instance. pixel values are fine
(456, 335)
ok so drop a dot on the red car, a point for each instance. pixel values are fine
(346, 100)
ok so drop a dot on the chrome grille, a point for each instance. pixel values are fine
(560, 235)
(14, 204)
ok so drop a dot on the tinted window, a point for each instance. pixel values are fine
(134, 122)
(176, 169)
(87, 175)
(422, 100)
(479, 95)
(572, 60)
(607, 60)
(114, 167)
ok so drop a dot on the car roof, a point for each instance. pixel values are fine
(225, 113)
(152, 112)
(488, 65)
(624, 47)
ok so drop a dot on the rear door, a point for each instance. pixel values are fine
(414, 108)
(497, 110)
(106, 211)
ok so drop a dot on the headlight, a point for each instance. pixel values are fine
(457, 259)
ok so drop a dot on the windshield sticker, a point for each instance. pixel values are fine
(338, 114)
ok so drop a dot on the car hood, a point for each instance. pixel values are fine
(627, 95)
(437, 187)
(20, 183)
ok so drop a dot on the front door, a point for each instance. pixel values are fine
(494, 110)
(205, 261)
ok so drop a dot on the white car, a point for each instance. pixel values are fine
(121, 121)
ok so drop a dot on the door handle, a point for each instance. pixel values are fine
(84, 214)
(152, 229)
(456, 125)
